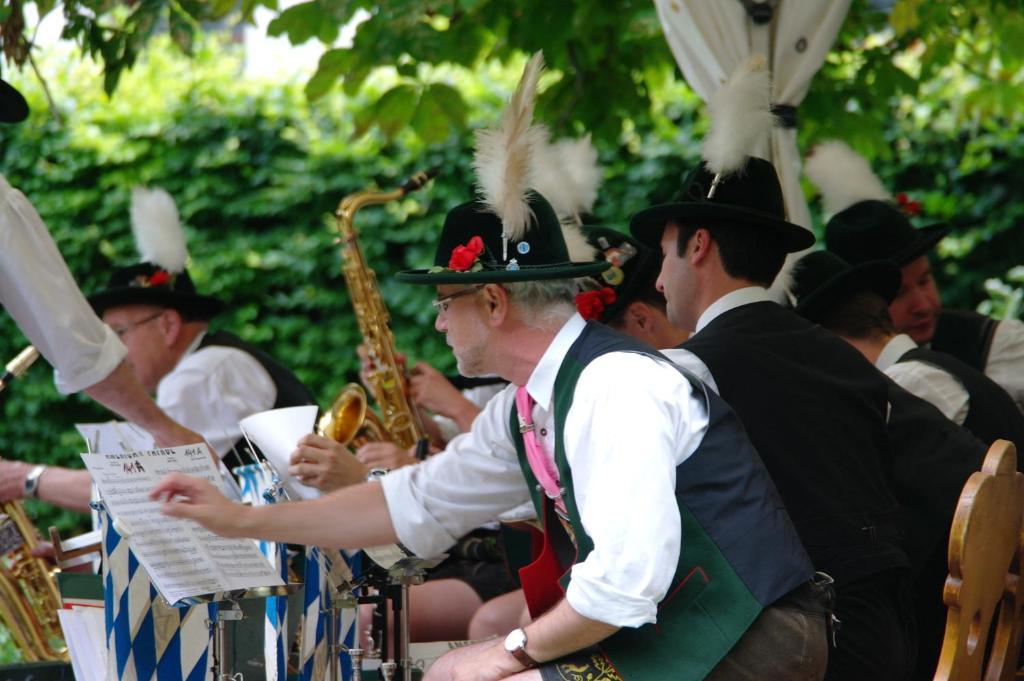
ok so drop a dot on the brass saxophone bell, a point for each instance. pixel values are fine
(348, 421)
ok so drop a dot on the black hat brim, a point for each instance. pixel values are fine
(878, 276)
(190, 304)
(569, 270)
(927, 238)
(13, 107)
(649, 224)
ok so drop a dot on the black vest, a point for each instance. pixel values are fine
(815, 411)
(992, 414)
(966, 335)
(290, 390)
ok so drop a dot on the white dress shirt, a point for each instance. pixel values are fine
(632, 421)
(927, 381)
(38, 291)
(730, 301)
(1005, 363)
(211, 389)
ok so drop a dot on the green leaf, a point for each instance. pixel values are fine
(304, 21)
(395, 109)
(331, 66)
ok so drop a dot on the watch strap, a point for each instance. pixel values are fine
(31, 487)
(523, 657)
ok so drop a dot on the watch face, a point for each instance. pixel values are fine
(515, 640)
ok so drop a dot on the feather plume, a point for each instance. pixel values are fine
(566, 173)
(781, 290)
(157, 229)
(580, 250)
(843, 176)
(741, 117)
(503, 161)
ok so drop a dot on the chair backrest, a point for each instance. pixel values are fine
(984, 539)
(1006, 642)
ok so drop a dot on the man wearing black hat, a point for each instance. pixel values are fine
(852, 301)
(784, 377)
(209, 380)
(38, 291)
(867, 224)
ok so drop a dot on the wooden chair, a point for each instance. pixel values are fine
(76, 551)
(1006, 642)
(984, 540)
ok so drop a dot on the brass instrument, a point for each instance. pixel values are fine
(399, 421)
(29, 599)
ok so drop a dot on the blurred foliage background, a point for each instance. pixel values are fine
(929, 91)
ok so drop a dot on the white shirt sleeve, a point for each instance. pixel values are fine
(1005, 363)
(38, 291)
(214, 388)
(934, 385)
(480, 396)
(623, 446)
(476, 478)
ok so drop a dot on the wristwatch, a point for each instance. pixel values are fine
(31, 487)
(376, 474)
(515, 644)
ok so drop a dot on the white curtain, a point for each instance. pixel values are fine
(709, 38)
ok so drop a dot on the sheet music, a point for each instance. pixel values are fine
(182, 558)
(276, 432)
(85, 635)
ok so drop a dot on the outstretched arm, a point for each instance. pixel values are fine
(351, 518)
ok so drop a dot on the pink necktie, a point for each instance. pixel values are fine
(542, 466)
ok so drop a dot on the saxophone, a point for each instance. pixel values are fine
(29, 599)
(399, 421)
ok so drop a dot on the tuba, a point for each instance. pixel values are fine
(349, 420)
(29, 599)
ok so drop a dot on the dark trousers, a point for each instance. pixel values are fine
(877, 640)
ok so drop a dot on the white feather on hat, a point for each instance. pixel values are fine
(741, 117)
(843, 176)
(159, 237)
(504, 155)
(567, 175)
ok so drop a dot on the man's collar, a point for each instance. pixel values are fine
(893, 350)
(541, 384)
(733, 299)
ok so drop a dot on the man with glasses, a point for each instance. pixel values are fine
(679, 558)
(38, 291)
(209, 380)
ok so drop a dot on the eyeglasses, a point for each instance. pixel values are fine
(441, 304)
(122, 331)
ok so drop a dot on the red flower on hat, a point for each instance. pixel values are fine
(592, 304)
(907, 206)
(463, 257)
(159, 278)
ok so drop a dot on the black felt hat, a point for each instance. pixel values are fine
(633, 267)
(749, 197)
(470, 249)
(879, 230)
(822, 279)
(13, 107)
(148, 284)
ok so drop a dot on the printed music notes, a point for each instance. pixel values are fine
(182, 559)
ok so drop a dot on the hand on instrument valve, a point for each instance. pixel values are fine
(12, 479)
(325, 464)
(366, 365)
(184, 496)
(386, 455)
(431, 390)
